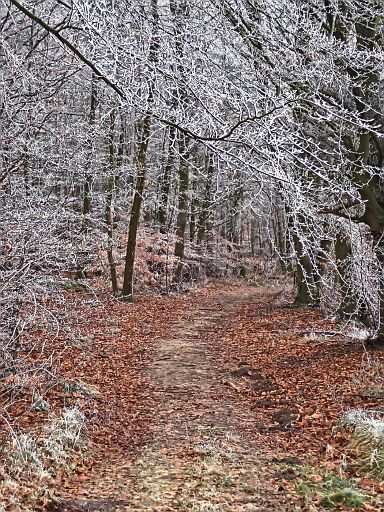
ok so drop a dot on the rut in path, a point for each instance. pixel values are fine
(203, 457)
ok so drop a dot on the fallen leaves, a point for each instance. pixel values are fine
(314, 379)
(289, 390)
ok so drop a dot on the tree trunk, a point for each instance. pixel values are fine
(205, 214)
(192, 218)
(182, 215)
(87, 187)
(136, 209)
(166, 182)
(306, 287)
(343, 251)
(281, 240)
(109, 203)
(141, 164)
(121, 155)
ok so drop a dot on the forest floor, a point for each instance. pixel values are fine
(222, 399)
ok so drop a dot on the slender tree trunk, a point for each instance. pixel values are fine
(204, 214)
(182, 216)
(281, 240)
(321, 267)
(141, 165)
(237, 200)
(87, 187)
(253, 236)
(166, 182)
(109, 203)
(136, 209)
(14, 324)
(343, 252)
(306, 287)
(180, 12)
(192, 217)
(121, 151)
(192, 221)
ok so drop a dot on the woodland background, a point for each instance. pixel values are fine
(162, 142)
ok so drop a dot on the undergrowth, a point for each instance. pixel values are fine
(361, 458)
(369, 380)
(31, 463)
(318, 486)
(366, 441)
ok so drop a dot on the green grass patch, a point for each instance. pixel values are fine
(330, 491)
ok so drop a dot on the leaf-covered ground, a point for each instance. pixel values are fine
(211, 401)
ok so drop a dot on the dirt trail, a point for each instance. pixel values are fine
(202, 456)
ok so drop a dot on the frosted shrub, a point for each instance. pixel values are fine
(367, 440)
(38, 459)
(25, 454)
(369, 421)
(65, 433)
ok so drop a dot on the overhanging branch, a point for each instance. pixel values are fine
(70, 46)
(101, 76)
(342, 211)
(225, 136)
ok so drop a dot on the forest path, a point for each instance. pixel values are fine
(202, 456)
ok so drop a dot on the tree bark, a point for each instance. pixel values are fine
(87, 187)
(343, 251)
(305, 280)
(205, 214)
(109, 203)
(127, 291)
(166, 181)
(141, 164)
(183, 201)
